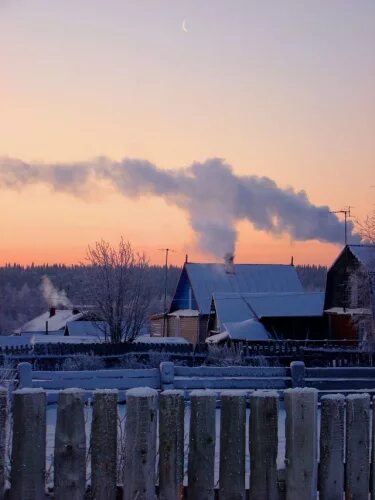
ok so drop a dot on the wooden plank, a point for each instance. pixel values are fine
(83, 374)
(345, 372)
(104, 445)
(301, 434)
(231, 371)
(171, 445)
(232, 446)
(357, 446)
(140, 444)
(331, 469)
(201, 458)
(92, 384)
(263, 436)
(231, 383)
(341, 384)
(3, 447)
(28, 445)
(70, 447)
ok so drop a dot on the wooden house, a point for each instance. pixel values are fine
(350, 293)
(191, 305)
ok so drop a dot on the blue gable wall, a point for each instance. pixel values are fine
(183, 293)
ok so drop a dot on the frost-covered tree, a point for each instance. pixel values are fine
(118, 288)
(360, 293)
(366, 228)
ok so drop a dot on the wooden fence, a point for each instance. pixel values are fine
(154, 462)
(171, 376)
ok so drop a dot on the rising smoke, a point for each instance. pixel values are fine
(52, 296)
(214, 198)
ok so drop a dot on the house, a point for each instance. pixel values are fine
(265, 316)
(350, 293)
(51, 322)
(190, 309)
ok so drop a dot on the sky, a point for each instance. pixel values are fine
(282, 89)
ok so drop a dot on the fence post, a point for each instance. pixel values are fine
(3, 422)
(232, 446)
(104, 445)
(297, 372)
(167, 375)
(25, 375)
(263, 437)
(301, 436)
(28, 445)
(70, 446)
(201, 459)
(331, 468)
(372, 475)
(357, 445)
(140, 444)
(171, 445)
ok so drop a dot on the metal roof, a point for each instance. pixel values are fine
(250, 329)
(91, 328)
(207, 279)
(237, 307)
(55, 323)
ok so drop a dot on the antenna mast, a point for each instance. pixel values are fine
(347, 214)
(166, 250)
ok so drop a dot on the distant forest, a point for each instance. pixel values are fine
(21, 298)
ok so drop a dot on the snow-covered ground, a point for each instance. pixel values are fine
(51, 422)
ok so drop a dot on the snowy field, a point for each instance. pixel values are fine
(51, 422)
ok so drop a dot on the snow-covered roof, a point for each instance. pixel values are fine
(207, 279)
(83, 328)
(250, 329)
(55, 323)
(14, 340)
(146, 339)
(184, 313)
(238, 307)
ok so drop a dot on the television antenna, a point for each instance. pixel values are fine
(166, 250)
(347, 215)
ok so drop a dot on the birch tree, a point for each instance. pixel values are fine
(118, 288)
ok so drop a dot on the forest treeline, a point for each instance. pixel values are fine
(21, 296)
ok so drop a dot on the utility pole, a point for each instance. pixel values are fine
(347, 214)
(166, 250)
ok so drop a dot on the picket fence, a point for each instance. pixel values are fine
(343, 446)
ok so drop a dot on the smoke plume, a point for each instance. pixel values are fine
(52, 296)
(212, 195)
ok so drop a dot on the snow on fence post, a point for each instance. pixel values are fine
(140, 444)
(297, 372)
(167, 375)
(70, 446)
(104, 444)
(3, 422)
(301, 443)
(201, 459)
(232, 446)
(263, 437)
(25, 375)
(331, 468)
(357, 446)
(171, 445)
(28, 445)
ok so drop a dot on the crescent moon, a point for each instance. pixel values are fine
(184, 27)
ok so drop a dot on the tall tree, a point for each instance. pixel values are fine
(366, 228)
(118, 288)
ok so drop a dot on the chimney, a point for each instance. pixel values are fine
(52, 311)
(229, 263)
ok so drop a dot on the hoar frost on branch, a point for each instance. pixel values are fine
(118, 288)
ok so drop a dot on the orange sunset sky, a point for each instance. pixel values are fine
(278, 88)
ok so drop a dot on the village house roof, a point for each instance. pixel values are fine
(206, 279)
(235, 307)
(56, 322)
(86, 328)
